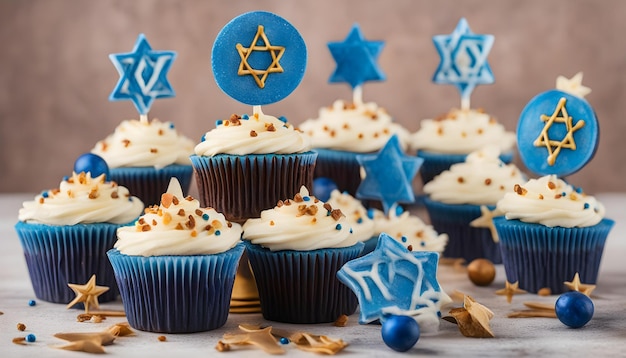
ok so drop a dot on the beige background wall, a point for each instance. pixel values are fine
(55, 74)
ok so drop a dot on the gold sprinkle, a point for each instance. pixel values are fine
(154, 222)
(141, 221)
(328, 207)
(253, 133)
(161, 338)
(153, 150)
(487, 181)
(21, 327)
(325, 128)
(332, 133)
(460, 180)
(166, 200)
(420, 234)
(546, 291)
(557, 196)
(279, 203)
(519, 190)
(270, 127)
(20, 340)
(502, 187)
(146, 228)
(104, 146)
(360, 136)
(175, 200)
(298, 198)
(126, 143)
(199, 212)
(272, 223)
(222, 347)
(345, 126)
(410, 247)
(375, 134)
(480, 131)
(551, 185)
(194, 233)
(160, 132)
(179, 226)
(440, 131)
(540, 196)
(115, 195)
(191, 223)
(41, 200)
(181, 212)
(167, 218)
(463, 134)
(341, 321)
(229, 224)
(336, 214)
(216, 224)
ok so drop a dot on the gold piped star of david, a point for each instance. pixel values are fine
(554, 146)
(276, 52)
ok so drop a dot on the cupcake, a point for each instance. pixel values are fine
(454, 200)
(356, 214)
(449, 138)
(176, 266)
(407, 229)
(295, 250)
(549, 232)
(66, 232)
(144, 155)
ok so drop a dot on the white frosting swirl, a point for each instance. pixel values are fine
(179, 226)
(362, 225)
(461, 132)
(409, 230)
(144, 144)
(82, 199)
(302, 223)
(482, 179)
(355, 127)
(551, 202)
(257, 134)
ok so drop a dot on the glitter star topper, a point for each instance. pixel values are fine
(394, 280)
(143, 75)
(357, 61)
(463, 60)
(258, 58)
(558, 130)
(389, 175)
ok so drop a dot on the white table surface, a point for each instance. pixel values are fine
(603, 336)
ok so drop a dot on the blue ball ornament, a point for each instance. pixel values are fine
(322, 187)
(400, 333)
(92, 163)
(574, 309)
(32, 303)
(31, 338)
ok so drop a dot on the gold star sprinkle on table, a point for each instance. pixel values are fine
(576, 285)
(554, 146)
(485, 220)
(472, 319)
(536, 309)
(87, 293)
(93, 342)
(276, 52)
(509, 290)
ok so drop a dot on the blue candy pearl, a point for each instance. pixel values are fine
(574, 309)
(92, 163)
(322, 187)
(284, 340)
(32, 303)
(31, 338)
(400, 333)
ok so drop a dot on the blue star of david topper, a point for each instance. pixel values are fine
(389, 175)
(356, 59)
(463, 60)
(143, 75)
(394, 280)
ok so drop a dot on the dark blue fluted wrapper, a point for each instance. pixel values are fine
(464, 241)
(538, 256)
(340, 166)
(369, 245)
(176, 294)
(435, 163)
(149, 183)
(58, 255)
(302, 286)
(241, 186)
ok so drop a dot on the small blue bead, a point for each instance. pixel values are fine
(399, 210)
(218, 233)
(351, 230)
(563, 194)
(338, 227)
(306, 198)
(359, 220)
(439, 314)
(44, 194)
(328, 213)
(284, 340)
(31, 338)
(203, 138)
(205, 217)
(245, 116)
(172, 126)
(283, 119)
(403, 239)
(423, 243)
(219, 122)
(66, 178)
(370, 213)
(586, 206)
(32, 303)
(579, 190)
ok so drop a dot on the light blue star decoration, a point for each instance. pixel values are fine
(388, 175)
(394, 280)
(356, 59)
(143, 75)
(463, 59)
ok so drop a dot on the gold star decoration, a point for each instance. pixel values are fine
(485, 220)
(536, 309)
(87, 293)
(576, 285)
(509, 290)
(573, 85)
(276, 52)
(472, 319)
(554, 146)
(93, 342)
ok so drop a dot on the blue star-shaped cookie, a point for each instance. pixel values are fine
(394, 280)
(143, 75)
(463, 59)
(389, 175)
(356, 59)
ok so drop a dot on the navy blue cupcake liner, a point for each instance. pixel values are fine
(340, 166)
(302, 286)
(148, 183)
(58, 255)
(538, 256)
(464, 241)
(369, 245)
(176, 294)
(435, 163)
(241, 186)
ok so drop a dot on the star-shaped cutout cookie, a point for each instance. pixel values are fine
(87, 293)
(275, 52)
(573, 85)
(509, 290)
(554, 146)
(576, 285)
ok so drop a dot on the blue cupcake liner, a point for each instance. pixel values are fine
(148, 183)
(241, 186)
(340, 166)
(58, 255)
(176, 294)
(538, 256)
(464, 241)
(302, 286)
(435, 163)
(369, 245)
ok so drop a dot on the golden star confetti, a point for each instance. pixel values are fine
(472, 319)
(509, 290)
(576, 285)
(87, 293)
(485, 220)
(536, 309)
(93, 342)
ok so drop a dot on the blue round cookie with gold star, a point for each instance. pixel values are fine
(258, 58)
(557, 133)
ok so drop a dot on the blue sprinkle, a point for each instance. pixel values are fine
(219, 122)
(65, 178)
(359, 220)
(203, 138)
(306, 198)
(399, 210)
(370, 213)
(439, 314)
(351, 230)
(245, 116)
(579, 190)
(205, 217)
(32, 303)
(328, 213)
(338, 227)
(284, 340)
(563, 194)
(172, 125)
(44, 194)
(423, 243)
(586, 206)
(31, 338)
(283, 119)
(403, 239)
(218, 233)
